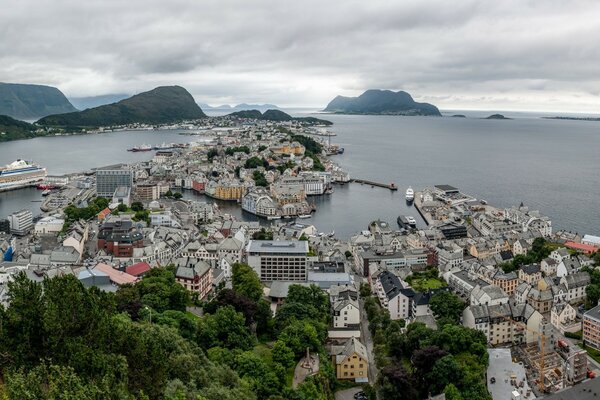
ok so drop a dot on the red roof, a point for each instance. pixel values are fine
(138, 269)
(116, 276)
(586, 248)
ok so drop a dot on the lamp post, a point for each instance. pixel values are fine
(150, 311)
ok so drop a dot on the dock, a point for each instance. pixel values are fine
(425, 215)
(391, 186)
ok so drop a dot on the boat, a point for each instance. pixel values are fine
(143, 147)
(273, 217)
(304, 216)
(341, 150)
(331, 234)
(411, 221)
(20, 174)
(46, 192)
(402, 221)
(410, 194)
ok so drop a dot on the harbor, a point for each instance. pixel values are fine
(391, 186)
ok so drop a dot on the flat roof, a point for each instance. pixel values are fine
(447, 188)
(502, 367)
(278, 246)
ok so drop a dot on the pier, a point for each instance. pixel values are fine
(391, 186)
(424, 214)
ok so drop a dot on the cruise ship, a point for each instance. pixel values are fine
(20, 174)
(410, 194)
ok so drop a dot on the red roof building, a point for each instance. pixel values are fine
(138, 269)
(584, 248)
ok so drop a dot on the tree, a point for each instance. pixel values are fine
(246, 282)
(260, 179)
(312, 295)
(397, 384)
(169, 194)
(122, 207)
(299, 335)
(446, 305)
(592, 293)
(177, 195)
(226, 328)
(365, 290)
(137, 206)
(282, 354)
(452, 393)
(446, 371)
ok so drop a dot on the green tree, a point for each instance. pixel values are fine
(246, 282)
(592, 293)
(445, 371)
(282, 354)
(226, 328)
(299, 335)
(137, 206)
(313, 296)
(365, 290)
(177, 195)
(446, 305)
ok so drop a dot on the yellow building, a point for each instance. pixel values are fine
(352, 361)
(294, 148)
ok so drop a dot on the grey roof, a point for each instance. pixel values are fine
(392, 286)
(577, 280)
(279, 289)
(594, 313)
(338, 305)
(351, 347)
(189, 268)
(278, 246)
(64, 254)
(588, 390)
(531, 269)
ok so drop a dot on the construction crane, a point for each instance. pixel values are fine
(541, 383)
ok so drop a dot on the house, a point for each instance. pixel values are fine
(507, 281)
(394, 295)
(568, 266)
(352, 361)
(520, 247)
(463, 282)
(64, 255)
(548, 266)
(591, 328)
(559, 254)
(540, 297)
(575, 285)
(584, 248)
(345, 313)
(531, 273)
(488, 295)
(194, 275)
(116, 277)
(564, 318)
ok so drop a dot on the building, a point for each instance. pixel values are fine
(21, 222)
(194, 275)
(283, 260)
(591, 328)
(450, 256)
(563, 317)
(489, 295)
(122, 195)
(531, 273)
(147, 192)
(507, 281)
(575, 285)
(352, 361)
(119, 238)
(258, 202)
(138, 269)
(452, 230)
(49, 226)
(345, 313)
(108, 179)
(394, 295)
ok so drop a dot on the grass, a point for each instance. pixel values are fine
(422, 284)
(595, 354)
(289, 376)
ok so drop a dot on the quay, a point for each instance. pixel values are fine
(424, 214)
(392, 186)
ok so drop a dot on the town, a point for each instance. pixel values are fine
(483, 301)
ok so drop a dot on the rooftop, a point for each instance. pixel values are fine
(278, 246)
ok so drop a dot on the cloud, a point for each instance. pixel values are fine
(532, 55)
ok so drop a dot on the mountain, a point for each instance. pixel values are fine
(30, 102)
(278, 116)
(164, 104)
(12, 129)
(497, 116)
(381, 102)
(83, 103)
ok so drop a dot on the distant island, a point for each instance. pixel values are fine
(30, 102)
(594, 119)
(278, 116)
(240, 107)
(381, 102)
(164, 104)
(458, 116)
(497, 116)
(83, 103)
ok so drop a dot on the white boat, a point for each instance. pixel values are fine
(411, 221)
(304, 216)
(273, 217)
(410, 194)
(46, 192)
(20, 174)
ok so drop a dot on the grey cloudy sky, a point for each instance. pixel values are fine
(504, 54)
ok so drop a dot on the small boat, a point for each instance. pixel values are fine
(411, 221)
(273, 217)
(410, 194)
(402, 221)
(144, 147)
(331, 234)
(46, 192)
(340, 150)
(304, 216)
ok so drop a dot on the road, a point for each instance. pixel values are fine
(368, 342)
(347, 394)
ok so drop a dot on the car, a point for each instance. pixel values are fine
(360, 396)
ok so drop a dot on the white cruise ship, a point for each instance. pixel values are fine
(20, 174)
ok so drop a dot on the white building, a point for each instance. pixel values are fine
(48, 225)
(275, 260)
(345, 313)
(20, 222)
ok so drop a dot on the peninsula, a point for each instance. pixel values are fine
(381, 102)
(164, 104)
(278, 116)
(30, 102)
